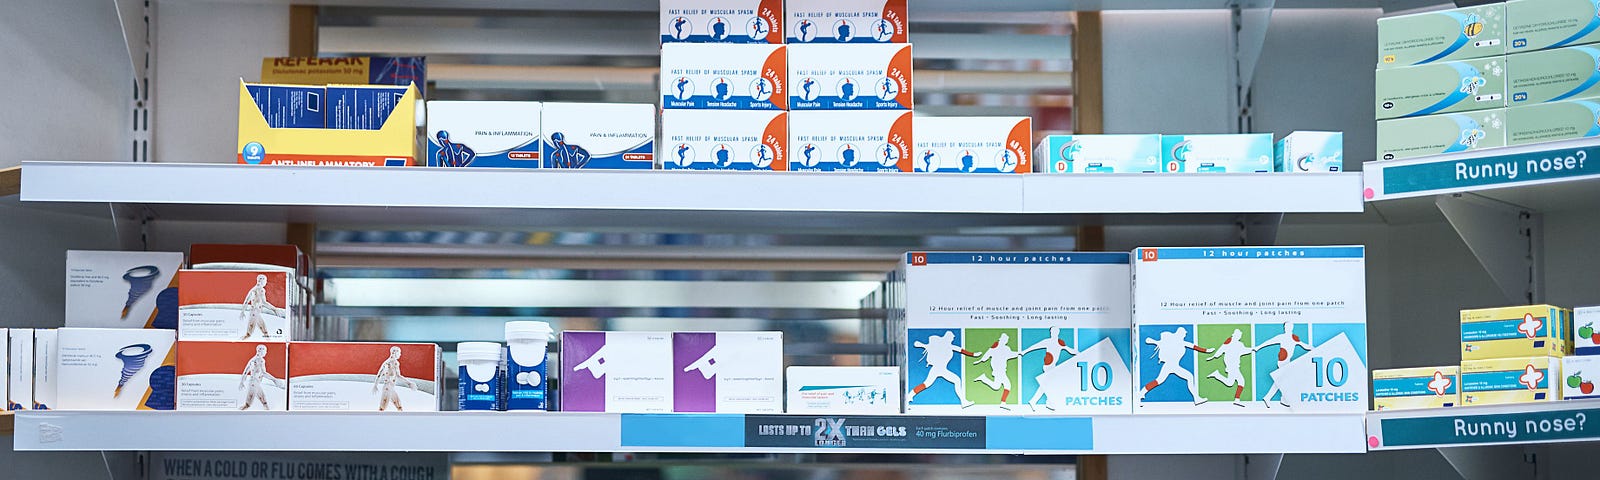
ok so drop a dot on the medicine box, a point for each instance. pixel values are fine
(722, 21)
(396, 71)
(364, 376)
(1101, 153)
(973, 144)
(1512, 332)
(1553, 121)
(1441, 87)
(1420, 387)
(843, 390)
(1224, 153)
(618, 136)
(724, 140)
(361, 107)
(850, 77)
(238, 256)
(1543, 24)
(392, 143)
(122, 289)
(1586, 337)
(235, 305)
(1250, 329)
(290, 106)
(1309, 152)
(45, 351)
(233, 376)
(484, 134)
(727, 372)
(618, 372)
(1456, 34)
(1403, 138)
(845, 141)
(20, 369)
(116, 369)
(847, 21)
(1578, 377)
(1017, 333)
(1552, 75)
(724, 77)
(1510, 380)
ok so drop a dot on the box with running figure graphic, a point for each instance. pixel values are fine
(364, 126)
(1456, 34)
(484, 134)
(1420, 387)
(1544, 24)
(616, 136)
(236, 305)
(724, 140)
(727, 372)
(1016, 333)
(973, 145)
(122, 289)
(115, 369)
(1250, 329)
(724, 77)
(839, 141)
(1442, 87)
(722, 21)
(364, 376)
(1512, 332)
(1510, 380)
(617, 372)
(1553, 75)
(847, 21)
(233, 376)
(850, 77)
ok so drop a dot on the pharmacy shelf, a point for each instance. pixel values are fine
(599, 198)
(1564, 175)
(1476, 426)
(684, 433)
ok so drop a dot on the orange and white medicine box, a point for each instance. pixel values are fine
(233, 376)
(364, 377)
(234, 305)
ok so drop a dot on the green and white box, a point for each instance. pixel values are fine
(1457, 34)
(1441, 88)
(1441, 134)
(1309, 152)
(1553, 75)
(1553, 122)
(1101, 153)
(1544, 24)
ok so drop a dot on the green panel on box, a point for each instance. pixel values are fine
(1553, 75)
(1441, 88)
(1553, 122)
(1456, 34)
(1542, 24)
(1441, 134)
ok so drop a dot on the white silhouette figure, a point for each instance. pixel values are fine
(937, 352)
(1170, 348)
(254, 302)
(1052, 346)
(388, 376)
(1286, 342)
(999, 357)
(1231, 351)
(255, 371)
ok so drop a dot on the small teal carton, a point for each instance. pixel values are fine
(1217, 153)
(1309, 152)
(1101, 153)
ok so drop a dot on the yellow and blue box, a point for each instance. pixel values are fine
(1419, 387)
(1510, 380)
(1456, 34)
(393, 143)
(1516, 332)
(1541, 24)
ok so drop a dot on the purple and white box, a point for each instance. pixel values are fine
(619, 372)
(727, 372)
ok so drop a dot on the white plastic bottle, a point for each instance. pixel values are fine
(527, 344)
(481, 376)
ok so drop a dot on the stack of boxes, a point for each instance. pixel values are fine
(1298, 152)
(667, 372)
(238, 308)
(1508, 355)
(1488, 76)
(1582, 367)
(724, 85)
(850, 87)
(619, 136)
(345, 111)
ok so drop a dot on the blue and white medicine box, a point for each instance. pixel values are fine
(599, 135)
(847, 21)
(723, 140)
(484, 134)
(850, 77)
(973, 145)
(361, 107)
(1226, 153)
(726, 77)
(837, 141)
(1306, 152)
(722, 21)
(1102, 153)
(289, 106)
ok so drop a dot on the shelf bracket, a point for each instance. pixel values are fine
(138, 19)
(1258, 229)
(1262, 466)
(1507, 239)
(1250, 20)
(1493, 462)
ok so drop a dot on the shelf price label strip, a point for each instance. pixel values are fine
(1403, 180)
(1485, 429)
(858, 431)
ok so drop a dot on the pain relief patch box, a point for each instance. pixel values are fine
(724, 77)
(1441, 87)
(1586, 338)
(115, 369)
(1553, 75)
(1250, 329)
(484, 134)
(974, 144)
(108, 289)
(615, 136)
(1544, 24)
(235, 305)
(1421, 387)
(722, 21)
(847, 21)
(1508, 332)
(1309, 152)
(727, 372)
(724, 140)
(232, 376)
(618, 372)
(1456, 34)
(1403, 138)
(1221, 153)
(364, 377)
(1101, 153)
(1510, 380)
(850, 77)
(843, 390)
(1579, 375)
(1553, 121)
(846, 141)
(392, 143)
(1017, 333)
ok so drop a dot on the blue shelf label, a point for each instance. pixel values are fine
(1495, 428)
(864, 432)
(858, 431)
(1492, 170)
